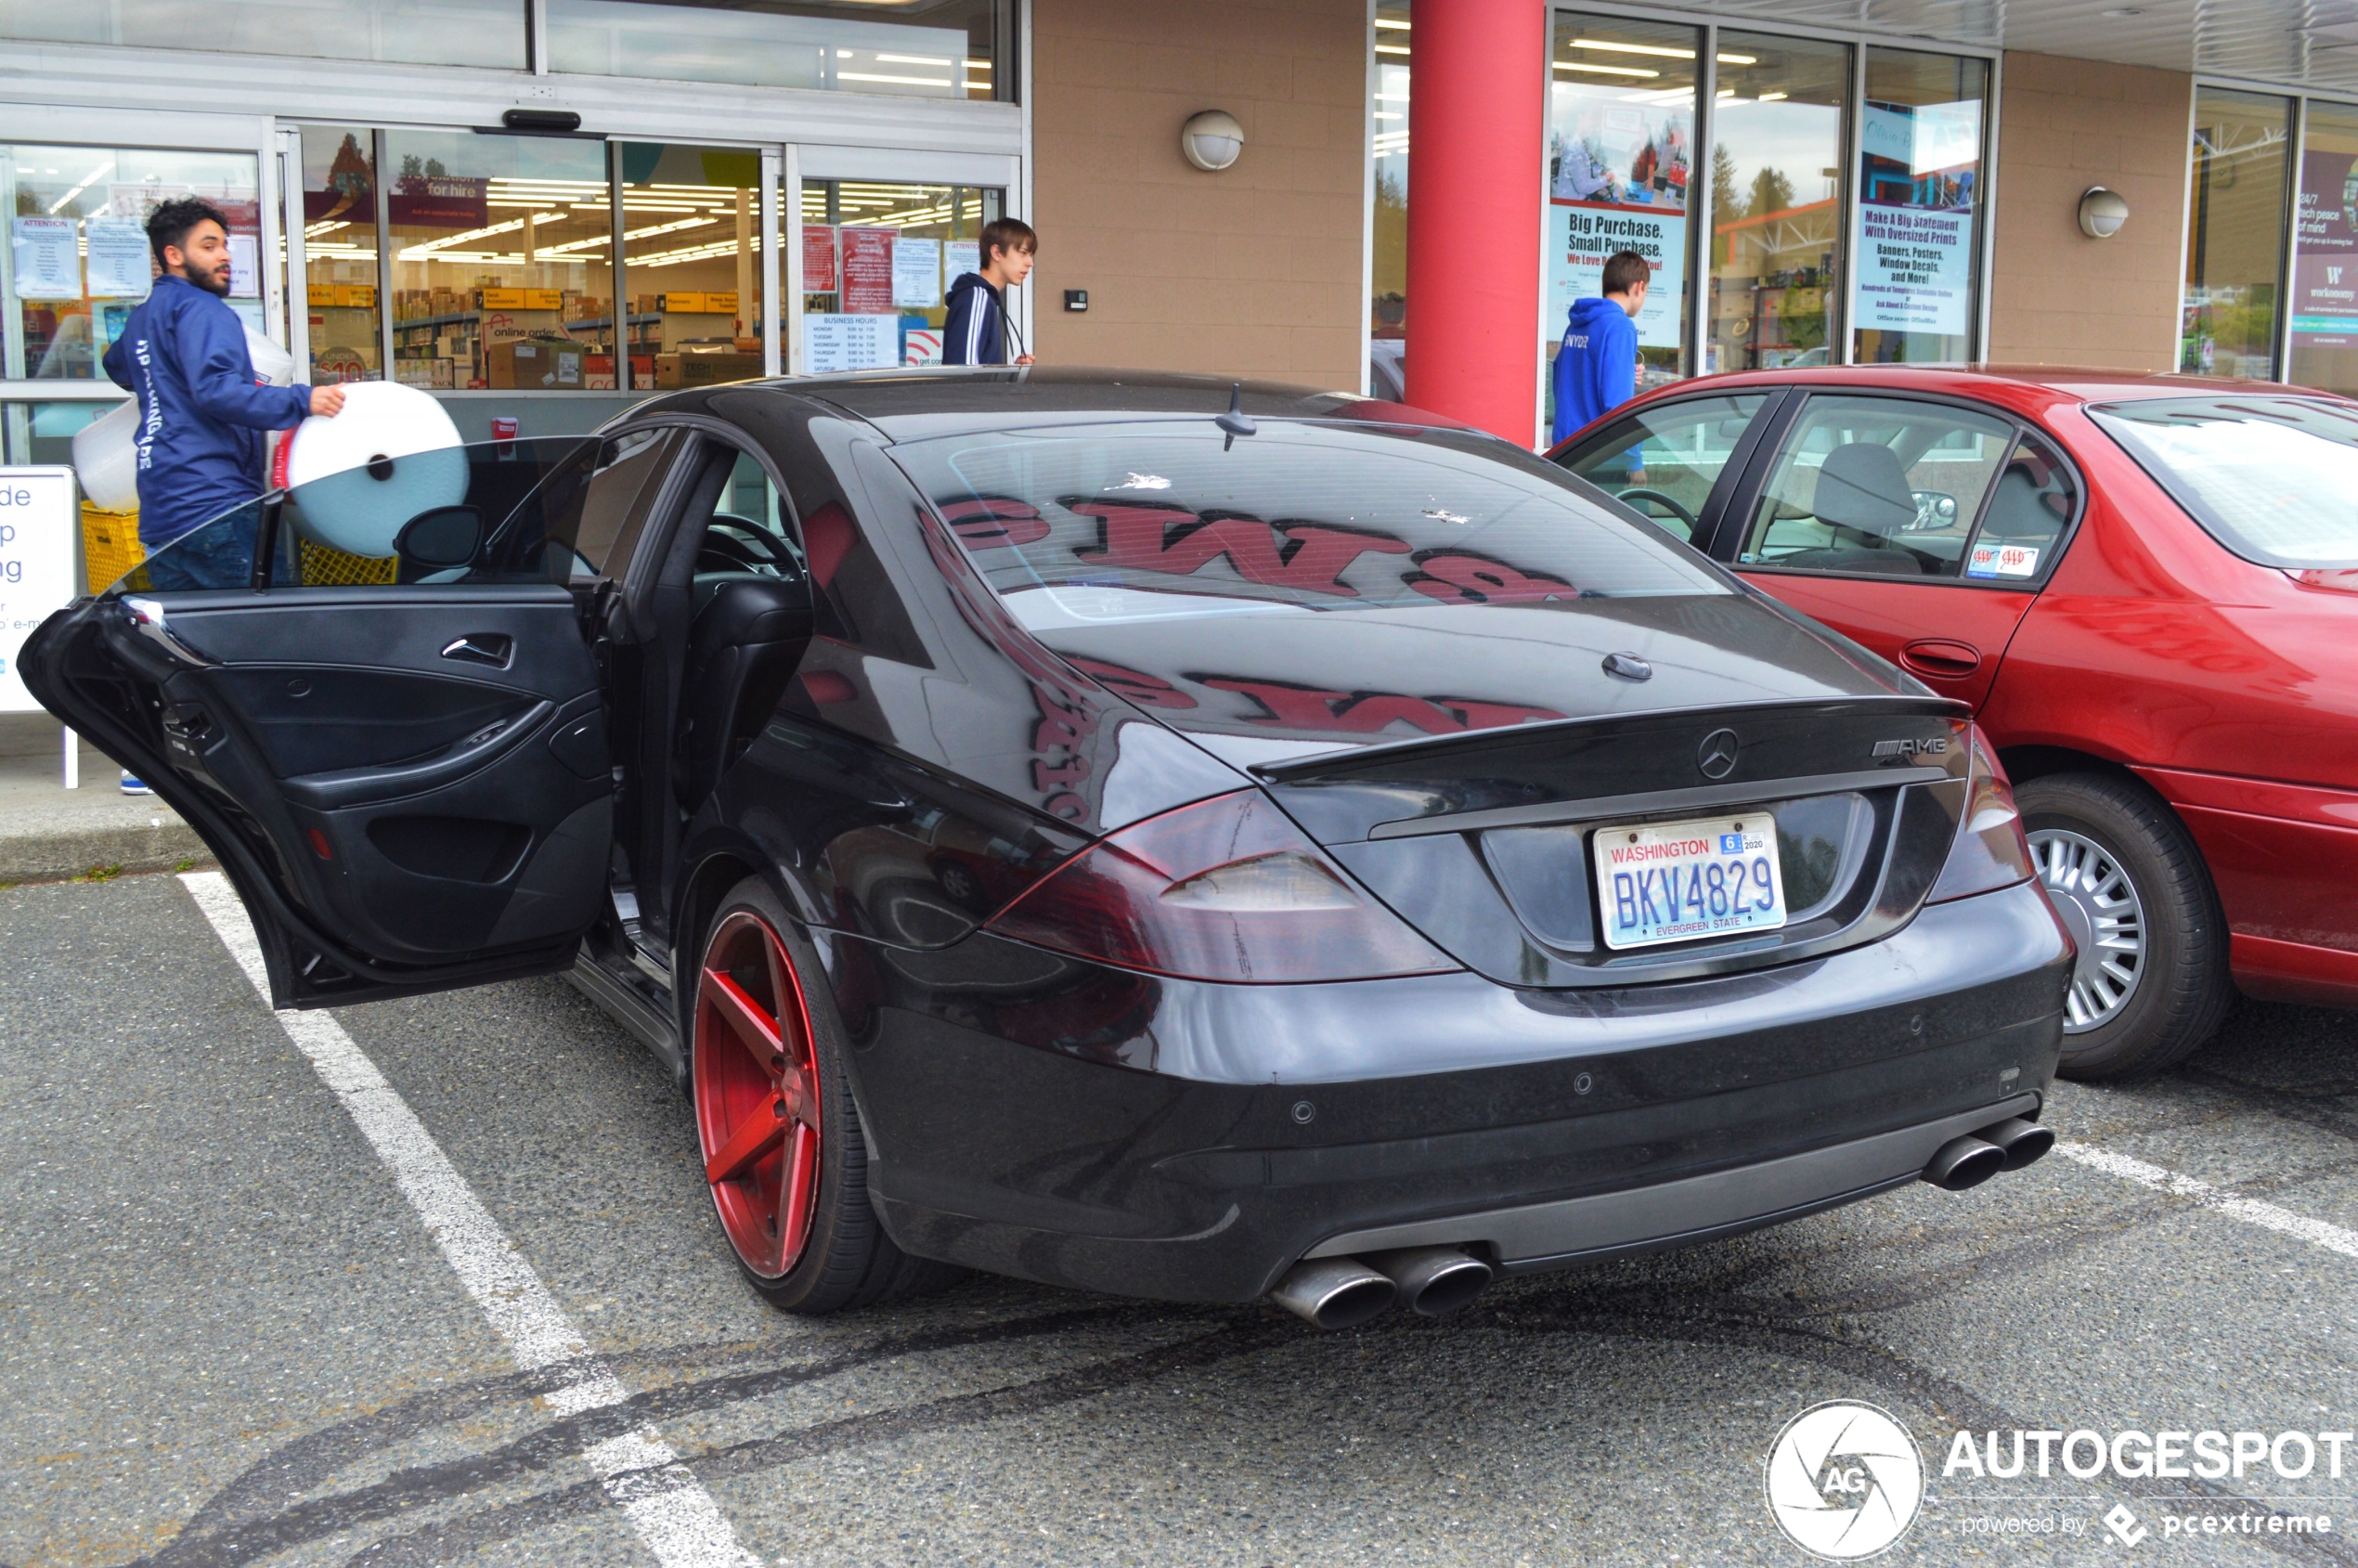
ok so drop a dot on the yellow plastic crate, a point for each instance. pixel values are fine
(109, 546)
(323, 568)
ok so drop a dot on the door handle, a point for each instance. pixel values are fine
(494, 648)
(1940, 656)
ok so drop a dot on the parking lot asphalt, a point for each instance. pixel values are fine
(226, 1334)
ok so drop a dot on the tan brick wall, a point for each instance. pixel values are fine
(2056, 296)
(1254, 271)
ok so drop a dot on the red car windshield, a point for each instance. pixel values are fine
(2271, 478)
(1143, 521)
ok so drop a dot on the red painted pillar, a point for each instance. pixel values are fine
(1477, 117)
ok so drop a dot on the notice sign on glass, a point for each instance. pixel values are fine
(867, 271)
(818, 259)
(916, 273)
(848, 341)
(2325, 288)
(117, 259)
(1582, 234)
(48, 262)
(1920, 165)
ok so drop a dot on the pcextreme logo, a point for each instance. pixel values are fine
(1844, 1481)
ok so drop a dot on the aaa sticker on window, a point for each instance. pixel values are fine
(2004, 561)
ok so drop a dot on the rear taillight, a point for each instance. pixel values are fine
(1225, 889)
(1990, 851)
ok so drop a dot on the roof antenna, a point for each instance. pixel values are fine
(1236, 421)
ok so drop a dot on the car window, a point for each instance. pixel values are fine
(2030, 507)
(1877, 485)
(2270, 478)
(610, 508)
(1664, 460)
(1176, 518)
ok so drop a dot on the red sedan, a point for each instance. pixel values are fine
(2147, 587)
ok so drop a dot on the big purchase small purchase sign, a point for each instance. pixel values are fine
(37, 530)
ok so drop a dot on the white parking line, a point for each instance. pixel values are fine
(2317, 1232)
(674, 1515)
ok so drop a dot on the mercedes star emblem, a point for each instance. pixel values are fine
(1718, 755)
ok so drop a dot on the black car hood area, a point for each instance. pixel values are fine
(1265, 688)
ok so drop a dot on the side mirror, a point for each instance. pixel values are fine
(438, 540)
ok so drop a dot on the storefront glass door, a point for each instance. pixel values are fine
(693, 262)
(1776, 184)
(877, 260)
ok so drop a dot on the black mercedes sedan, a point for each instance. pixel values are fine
(1131, 832)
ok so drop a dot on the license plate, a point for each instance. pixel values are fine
(1668, 882)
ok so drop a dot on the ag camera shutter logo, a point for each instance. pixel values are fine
(1844, 1481)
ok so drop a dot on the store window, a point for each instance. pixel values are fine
(2324, 292)
(917, 48)
(2234, 234)
(340, 254)
(877, 259)
(1621, 132)
(692, 260)
(502, 261)
(483, 32)
(1919, 207)
(78, 261)
(1388, 306)
(1776, 192)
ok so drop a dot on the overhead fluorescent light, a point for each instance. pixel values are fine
(1392, 48)
(1605, 70)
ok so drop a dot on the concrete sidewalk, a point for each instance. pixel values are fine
(49, 833)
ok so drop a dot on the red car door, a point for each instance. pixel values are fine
(1920, 529)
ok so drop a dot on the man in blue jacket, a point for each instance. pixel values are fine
(1597, 368)
(976, 332)
(202, 410)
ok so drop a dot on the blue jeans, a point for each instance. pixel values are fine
(216, 555)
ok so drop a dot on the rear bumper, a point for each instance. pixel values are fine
(1541, 1126)
(1542, 1236)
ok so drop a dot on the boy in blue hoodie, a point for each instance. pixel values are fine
(1597, 368)
(977, 328)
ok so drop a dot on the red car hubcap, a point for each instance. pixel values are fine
(757, 1084)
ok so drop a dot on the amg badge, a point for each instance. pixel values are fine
(1932, 747)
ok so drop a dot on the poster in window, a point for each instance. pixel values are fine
(117, 259)
(2325, 295)
(818, 259)
(843, 341)
(1918, 174)
(867, 271)
(1618, 181)
(916, 273)
(48, 262)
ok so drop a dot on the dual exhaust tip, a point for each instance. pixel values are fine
(1345, 1293)
(1974, 1159)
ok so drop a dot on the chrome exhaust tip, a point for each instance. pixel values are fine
(1433, 1279)
(1965, 1162)
(1334, 1292)
(2020, 1141)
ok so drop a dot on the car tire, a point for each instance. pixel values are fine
(787, 1168)
(2126, 877)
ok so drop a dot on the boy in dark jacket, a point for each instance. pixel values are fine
(977, 331)
(1597, 368)
(202, 410)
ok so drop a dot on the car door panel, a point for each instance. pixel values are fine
(419, 819)
(1893, 618)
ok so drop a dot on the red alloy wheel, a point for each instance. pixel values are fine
(756, 1089)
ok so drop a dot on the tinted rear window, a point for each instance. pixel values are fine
(1174, 518)
(2271, 478)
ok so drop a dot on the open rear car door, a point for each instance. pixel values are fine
(401, 761)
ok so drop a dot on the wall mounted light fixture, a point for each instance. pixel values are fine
(1211, 140)
(2102, 212)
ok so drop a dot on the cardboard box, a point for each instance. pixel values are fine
(675, 371)
(534, 364)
